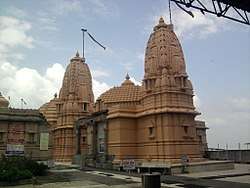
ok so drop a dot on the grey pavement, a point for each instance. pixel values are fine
(95, 178)
(240, 179)
(240, 169)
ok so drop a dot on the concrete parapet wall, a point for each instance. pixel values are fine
(241, 156)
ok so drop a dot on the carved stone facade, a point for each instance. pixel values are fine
(152, 123)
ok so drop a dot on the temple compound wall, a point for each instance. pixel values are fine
(24, 132)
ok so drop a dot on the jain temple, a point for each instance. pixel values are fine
(153, 124)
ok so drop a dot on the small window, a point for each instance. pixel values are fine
(84, 139)
(151, 131)
(31, 138)
(101, 147)
(85, 106)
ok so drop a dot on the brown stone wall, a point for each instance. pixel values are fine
(65, 144)
(158, 137)
(121, 139)
(18, 133)
(167, 140)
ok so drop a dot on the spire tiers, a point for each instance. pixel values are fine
(163, 53)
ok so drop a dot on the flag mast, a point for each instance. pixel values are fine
(92, 38)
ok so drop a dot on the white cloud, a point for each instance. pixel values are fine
(99, 73)
(65, 6)
(136, 82)
(99, 87)
(29, 84)
(46, 21)
(199, 26)
(55, 74)
(13, 33)
(36, 88)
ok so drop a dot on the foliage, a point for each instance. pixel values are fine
(16, 168)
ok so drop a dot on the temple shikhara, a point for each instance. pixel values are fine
(153, 124)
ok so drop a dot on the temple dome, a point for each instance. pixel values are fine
(127, 92)
(163, 51)
(4, 103)
(77, 81)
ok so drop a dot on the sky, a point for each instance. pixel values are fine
(38, 39)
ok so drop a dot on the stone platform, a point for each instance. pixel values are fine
(205, 166)
(192, 167)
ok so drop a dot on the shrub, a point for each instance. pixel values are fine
(17, 168)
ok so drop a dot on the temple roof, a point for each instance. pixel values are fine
(127, 92)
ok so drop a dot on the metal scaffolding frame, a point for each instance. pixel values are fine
(220, 8)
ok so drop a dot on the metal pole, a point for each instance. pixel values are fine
(83, 31)
(170, 14)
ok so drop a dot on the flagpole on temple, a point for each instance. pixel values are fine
(83, 31)
(92, 38)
